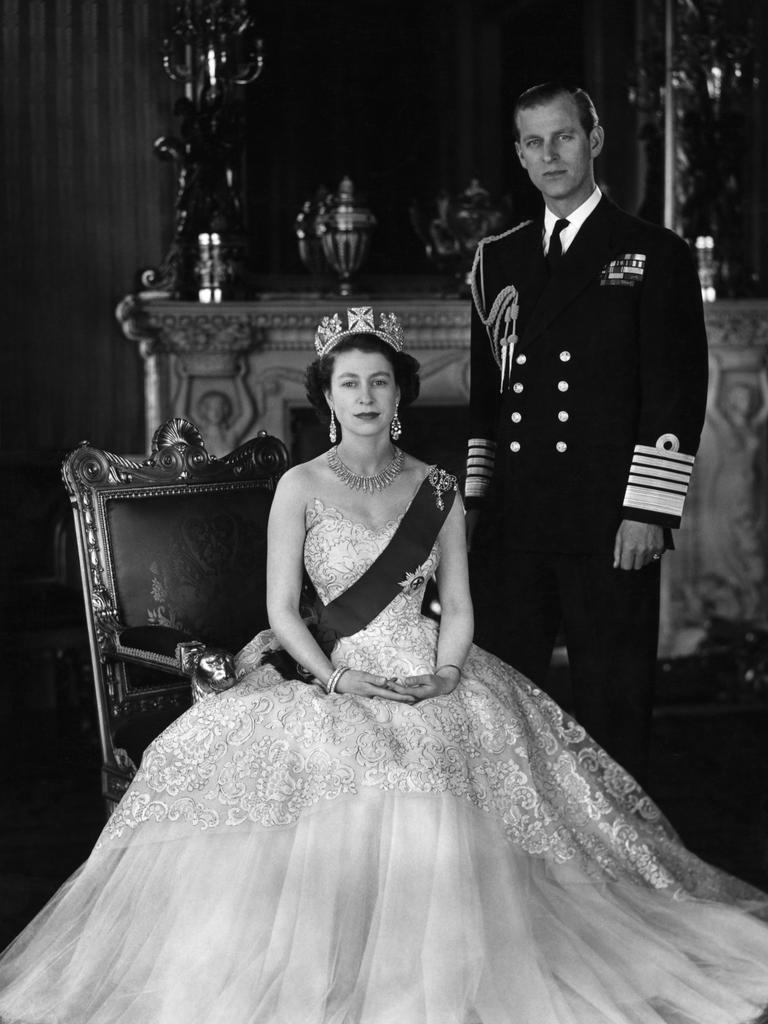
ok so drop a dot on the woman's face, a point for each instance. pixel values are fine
(363, 392)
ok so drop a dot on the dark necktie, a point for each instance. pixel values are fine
(555, 253)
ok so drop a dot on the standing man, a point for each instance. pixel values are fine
(588, 390)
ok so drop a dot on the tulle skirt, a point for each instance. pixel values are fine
(373, 908)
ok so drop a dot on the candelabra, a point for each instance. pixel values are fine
(213, 49)
(695, 88)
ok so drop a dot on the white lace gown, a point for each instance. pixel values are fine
(285, 857)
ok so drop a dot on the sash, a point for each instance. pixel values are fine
(410, 546)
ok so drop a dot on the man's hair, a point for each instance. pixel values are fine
(547, 91)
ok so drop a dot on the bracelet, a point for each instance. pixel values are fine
(448, 666)
(330, 686)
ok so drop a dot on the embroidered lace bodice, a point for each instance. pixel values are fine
(337, 551)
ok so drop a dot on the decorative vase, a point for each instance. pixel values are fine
(453, 227)
(306, 228)
(345, 232)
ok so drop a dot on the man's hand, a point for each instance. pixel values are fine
(637, 544)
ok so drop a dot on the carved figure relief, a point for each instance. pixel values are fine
(224, 412)
(734, 585)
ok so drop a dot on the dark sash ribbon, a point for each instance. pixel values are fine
(410, 546)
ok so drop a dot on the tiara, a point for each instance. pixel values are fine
(359, 321)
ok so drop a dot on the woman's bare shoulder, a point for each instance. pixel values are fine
(417, 468)
(302, 479)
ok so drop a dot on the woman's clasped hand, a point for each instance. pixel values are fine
(404, 689)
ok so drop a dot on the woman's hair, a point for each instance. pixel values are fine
(319, 373)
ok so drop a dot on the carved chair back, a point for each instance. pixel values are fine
(171, 549)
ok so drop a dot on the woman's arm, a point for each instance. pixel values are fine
(457, 621)
(456, 618)
(285, 569)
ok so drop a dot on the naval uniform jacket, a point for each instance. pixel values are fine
(598, 413)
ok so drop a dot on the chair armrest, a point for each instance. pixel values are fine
(144, 643)
(211, 669)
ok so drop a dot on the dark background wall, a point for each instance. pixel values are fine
(407, 96)
(83, 206)
(412, 96)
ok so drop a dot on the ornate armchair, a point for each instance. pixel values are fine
(172, 555)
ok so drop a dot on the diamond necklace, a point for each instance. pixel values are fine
(366, 484)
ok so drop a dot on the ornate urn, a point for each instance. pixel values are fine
(344, 229)
(452, 230)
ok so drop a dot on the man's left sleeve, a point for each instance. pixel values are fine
(673, 382)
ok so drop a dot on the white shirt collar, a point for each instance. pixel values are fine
(575, 220)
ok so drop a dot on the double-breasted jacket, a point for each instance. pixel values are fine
(588, 386)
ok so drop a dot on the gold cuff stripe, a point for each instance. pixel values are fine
(476, 487)
(663, 455)
(662, 467)
(665, 502)
(649, 484)
(481, 460)
(659, 474)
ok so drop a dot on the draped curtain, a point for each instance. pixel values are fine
(84, 204)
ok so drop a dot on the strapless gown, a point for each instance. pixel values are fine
(286, 857)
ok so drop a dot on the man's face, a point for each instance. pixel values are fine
(557, 153)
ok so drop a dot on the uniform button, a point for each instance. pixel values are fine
(516, 417)
(562, 385)
(561, 446)
(514, 446)
(563, 416)
(517, 388)
(564, 357)
(521, 360)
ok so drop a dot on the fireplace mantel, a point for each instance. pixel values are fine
(238, 367)
(255, 354)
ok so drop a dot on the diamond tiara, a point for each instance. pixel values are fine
(360, 320)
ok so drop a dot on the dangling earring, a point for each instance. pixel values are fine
(395, 427)
(332, 428)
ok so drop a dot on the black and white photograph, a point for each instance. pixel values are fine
(384, 512)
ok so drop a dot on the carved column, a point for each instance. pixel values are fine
(720, 566)
(195, 366)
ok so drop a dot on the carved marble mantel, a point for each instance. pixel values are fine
(235, 368)
(248, 359)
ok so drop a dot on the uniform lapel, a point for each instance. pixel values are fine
(586, 256)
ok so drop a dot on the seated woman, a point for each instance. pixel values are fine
(407, 832)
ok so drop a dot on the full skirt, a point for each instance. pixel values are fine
(284, 857)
